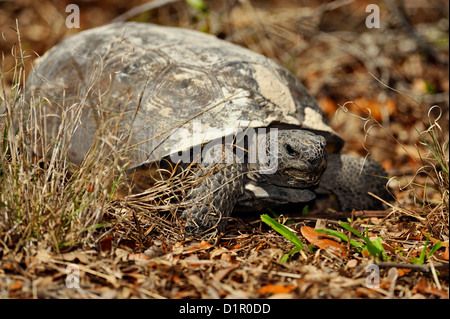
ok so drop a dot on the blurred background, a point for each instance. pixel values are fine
(398, 71)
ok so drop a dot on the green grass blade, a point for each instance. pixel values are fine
(378, 248)
(283, 230)
(432, 150)
(435, 248)
(286, 256)
(423, 253)
(352, 230)
(375, 249)
(305, 210)
(334, 233)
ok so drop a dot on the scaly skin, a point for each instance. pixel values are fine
(213, 200)
(351, 178)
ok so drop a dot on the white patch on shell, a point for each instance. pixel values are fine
(287, 119)
(274, 90)
(165, 111)
(291, 120)
(314, 120)
(151, 107)
(255, 123)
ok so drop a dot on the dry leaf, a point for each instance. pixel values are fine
(203, 245)
(276, 289)
(138, 256)
(403, 271)
(322, 241)
(154, 251)
(422, 286)
(90, 188)
(366, 292)
(352, 263)
(218, 252)
(222, 273)
(327, 105)
(106, 243)
(377, 108)
(83, 256)
(16, 285)
(445, 254)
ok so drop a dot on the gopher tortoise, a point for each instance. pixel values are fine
(189, 97)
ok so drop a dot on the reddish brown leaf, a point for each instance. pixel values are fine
(366, 292)
(16, 285)
(445, 254)
(275, 289)
(377, 108)
(322, 241)
(422, 286)
(203, 245)
(90, 188)
(106, 243)
(327, 105)
(403, 271)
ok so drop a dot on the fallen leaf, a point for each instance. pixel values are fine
(275, 289)
(327, 105)
(16, 285)
(389, 248)
(387, 164)
(422, 286)
(194, 261)
(106, 243)
(138, 256)
(352, 263)
(154, 251)
(90, 188)
(203, 245)
(222, 273)
(237, 246)
(322, 241)
(218, 252)
(366, 292)
(365, 253)
(445, 254)
(83, 256)
(378, 109)
(403, 271)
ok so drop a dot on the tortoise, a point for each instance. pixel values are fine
(166, 82)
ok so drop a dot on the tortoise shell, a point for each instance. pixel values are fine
(159, 79)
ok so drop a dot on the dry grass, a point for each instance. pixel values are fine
(46, 202)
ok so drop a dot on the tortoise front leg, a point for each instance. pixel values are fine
(212, 200)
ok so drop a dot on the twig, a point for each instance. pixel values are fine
(424, 268)
(343, 215)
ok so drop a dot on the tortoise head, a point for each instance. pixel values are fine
(299, 158)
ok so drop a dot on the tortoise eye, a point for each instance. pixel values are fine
(290, 150)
